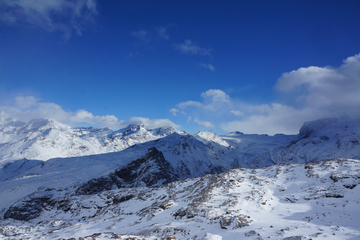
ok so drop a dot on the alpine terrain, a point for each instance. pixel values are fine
(59, 182)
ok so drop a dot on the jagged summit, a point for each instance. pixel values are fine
(131, 129)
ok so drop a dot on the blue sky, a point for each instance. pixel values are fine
(250, 66)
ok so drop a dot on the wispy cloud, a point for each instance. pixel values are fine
(310, 93)
(208, 66)
(162, 33)
(130, 55)
(189, 47)
(151, 36)
(237, 113)
(174, 111)
(74, 14)
(25, 108)
(142, 36)
(204, 123)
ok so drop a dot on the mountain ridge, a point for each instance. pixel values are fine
(42, 139)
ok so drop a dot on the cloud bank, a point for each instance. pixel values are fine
(311, 93)
(29, 107)
(51, 15)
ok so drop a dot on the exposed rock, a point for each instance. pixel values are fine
(235, 222)
(150, 170)
(293, 238)
(26, 210)
(95, 186)
(119, 199)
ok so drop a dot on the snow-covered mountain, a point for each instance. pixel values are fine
(318, 140)
(322, 139)
(43, 139)
(128, 189)
(288, 201)
(177, 157)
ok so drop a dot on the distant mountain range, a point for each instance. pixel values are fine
(43, 139)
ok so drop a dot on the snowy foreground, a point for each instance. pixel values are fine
(319, 200)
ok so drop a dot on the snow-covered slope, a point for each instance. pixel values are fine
(43, 139)
(322, 139)
(183, 155)
(297, 201)
(254, 150)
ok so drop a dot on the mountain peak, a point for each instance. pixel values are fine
(44, 123)
(132, 128)
(311, 127)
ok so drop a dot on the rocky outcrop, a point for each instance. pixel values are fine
(26, 210)
(151, 170)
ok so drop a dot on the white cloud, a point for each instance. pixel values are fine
(150, 123)
(25, 102)
(335, 90)
(272, 119)
(213, 100)
(208, 66)
(311, 93)
(45, 14)
(184, 105)
(204, 123)
(27, 108)
(216, 95)
(188, 47)
(174, 111)
(237, 113)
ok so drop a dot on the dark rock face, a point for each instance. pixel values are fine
(95, 186)
(63, 204)
(338, 176)
(120, 199)
(26, 210)
(151, 170)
